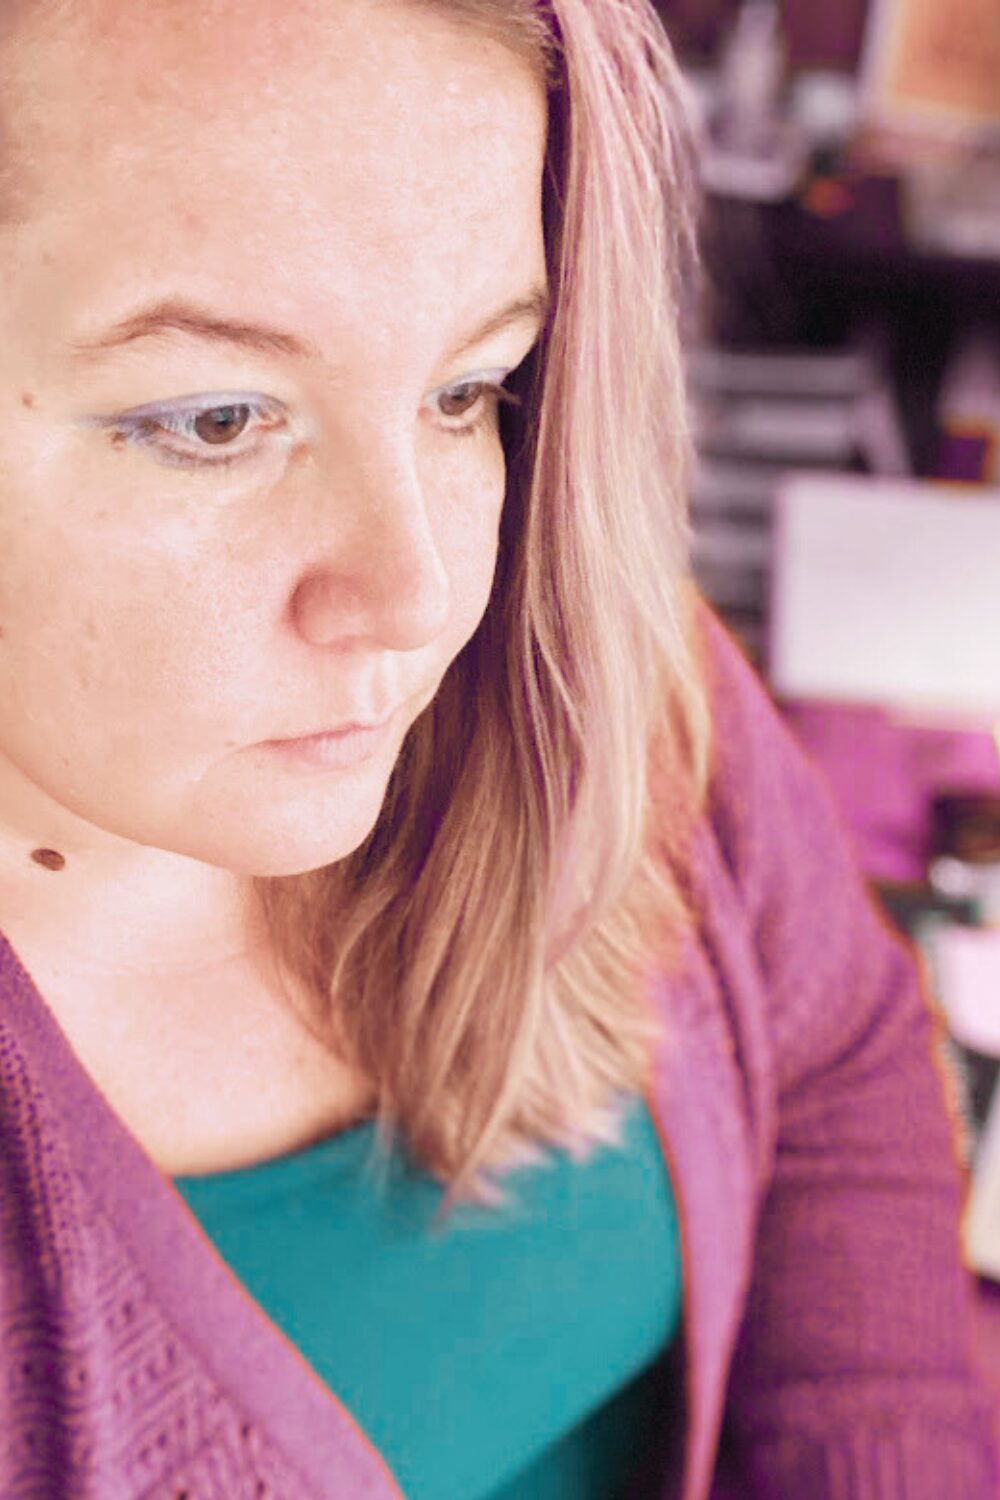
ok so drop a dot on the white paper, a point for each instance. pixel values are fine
(887, 592)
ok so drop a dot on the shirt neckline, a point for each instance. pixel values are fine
(227, 1331)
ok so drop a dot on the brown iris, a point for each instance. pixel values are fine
(458, 396)
(220, 423)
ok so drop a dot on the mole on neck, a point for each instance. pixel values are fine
(50, 858)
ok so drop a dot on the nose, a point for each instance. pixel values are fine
(378, 574)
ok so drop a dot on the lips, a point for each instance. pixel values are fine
(326, 753)
(335, 729)
(322, 734)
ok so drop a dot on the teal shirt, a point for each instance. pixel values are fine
(511, 1354)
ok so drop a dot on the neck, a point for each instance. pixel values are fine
(143, 911)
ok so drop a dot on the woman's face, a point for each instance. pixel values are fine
(363, 181)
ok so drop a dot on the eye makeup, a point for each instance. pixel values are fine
(161, 428)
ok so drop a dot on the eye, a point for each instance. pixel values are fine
(216, 424)
(222, 422)
(210, 435)
(486, 397)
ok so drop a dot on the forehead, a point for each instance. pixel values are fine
(179, 41)
(99, 72)
(361, 128)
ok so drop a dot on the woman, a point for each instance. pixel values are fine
(523, 1098)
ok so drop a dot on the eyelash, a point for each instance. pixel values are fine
(144, 430)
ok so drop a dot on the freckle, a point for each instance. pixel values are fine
(27, 399)
(50, 858)
(118, 440)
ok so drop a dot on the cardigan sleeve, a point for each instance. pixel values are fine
(853, 1376)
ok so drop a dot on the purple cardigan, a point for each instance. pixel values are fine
(826, 1348)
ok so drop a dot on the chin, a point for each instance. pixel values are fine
(274, 853)
(292, 860)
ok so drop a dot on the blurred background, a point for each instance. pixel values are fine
(845, 379)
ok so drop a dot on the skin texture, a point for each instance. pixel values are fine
(367, 176)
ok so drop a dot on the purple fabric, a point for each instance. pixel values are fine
(884, 776)
(828, 1342)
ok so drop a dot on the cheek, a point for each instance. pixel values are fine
(76, 670)
(84, 633)
(475, 539)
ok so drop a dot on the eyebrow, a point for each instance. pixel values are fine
(177, 315)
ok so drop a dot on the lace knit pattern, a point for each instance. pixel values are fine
(109, 1363)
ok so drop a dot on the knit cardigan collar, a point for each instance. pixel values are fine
(704, 1138)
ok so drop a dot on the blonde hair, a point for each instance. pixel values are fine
(484, 956)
